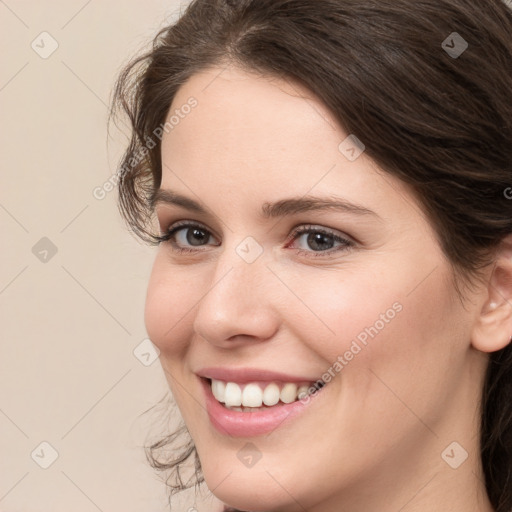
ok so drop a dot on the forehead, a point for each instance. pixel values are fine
(250, 114)
(258, 139)
(248, 123)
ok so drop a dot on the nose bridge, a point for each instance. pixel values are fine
(237, 301)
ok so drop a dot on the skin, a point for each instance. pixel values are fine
(373, 438)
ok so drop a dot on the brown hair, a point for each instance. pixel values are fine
(431, 112)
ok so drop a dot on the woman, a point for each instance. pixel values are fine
(329, 183)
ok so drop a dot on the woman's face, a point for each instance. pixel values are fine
(363, 301)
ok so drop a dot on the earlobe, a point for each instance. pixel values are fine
(489, 306)
(493, 327)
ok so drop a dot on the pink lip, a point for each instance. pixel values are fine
(245, 375)
(250, 424)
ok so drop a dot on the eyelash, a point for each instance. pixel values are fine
(168, 237)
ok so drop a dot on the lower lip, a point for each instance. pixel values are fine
(249, 424)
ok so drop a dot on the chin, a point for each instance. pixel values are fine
(247, 489)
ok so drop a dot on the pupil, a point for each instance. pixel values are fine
(320, 241)
(198, 235)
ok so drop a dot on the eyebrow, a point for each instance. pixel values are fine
(280, 208)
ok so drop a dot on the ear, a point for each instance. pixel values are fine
(493, 327)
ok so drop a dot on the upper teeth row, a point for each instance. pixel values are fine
(252, 394)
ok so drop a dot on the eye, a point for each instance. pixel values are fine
(319, 240)
(186, 233)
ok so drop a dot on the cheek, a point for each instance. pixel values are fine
(168, 304)
(381, 322)
(397, 341)
(341, 314)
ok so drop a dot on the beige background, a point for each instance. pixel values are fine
(70, 322)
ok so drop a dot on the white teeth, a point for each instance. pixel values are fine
(288, 393)
(251, 397)
(271, 394)
(232, 394)
(219, 390)
(302, 392)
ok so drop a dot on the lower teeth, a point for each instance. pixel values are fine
(248, 409)
(252, 409)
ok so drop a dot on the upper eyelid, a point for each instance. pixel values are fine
(188, 224)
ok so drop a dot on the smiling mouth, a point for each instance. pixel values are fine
(261, 396)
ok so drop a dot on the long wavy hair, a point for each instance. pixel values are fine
(430, 111)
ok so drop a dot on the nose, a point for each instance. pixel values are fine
(237, 307)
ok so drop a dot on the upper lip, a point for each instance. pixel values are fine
(245, 375)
